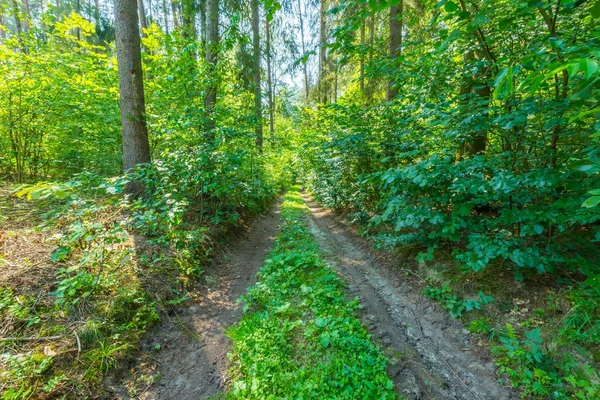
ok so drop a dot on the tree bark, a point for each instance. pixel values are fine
(269, 80)
(369, 88)
(212, 46)
(27, 20)
(136, 148)
(203, 22)
(303, 43)
(323, 86)
(18, 28)
(165, 16)
(362, 57)
(189, 19)
(175, 17)
(395, 45)
(2, 31)
(256, 65)
(142, 10)
(97, 15)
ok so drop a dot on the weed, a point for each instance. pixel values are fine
(454, 304)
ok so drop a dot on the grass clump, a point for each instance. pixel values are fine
(299, 336)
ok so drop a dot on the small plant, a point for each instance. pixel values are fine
(479, 326)
(454, 304)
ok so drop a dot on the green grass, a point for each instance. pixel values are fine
(300, 337)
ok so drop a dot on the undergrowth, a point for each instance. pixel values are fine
(115, 264)
(299, 336)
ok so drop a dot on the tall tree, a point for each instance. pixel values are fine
(269, 78)
(136, 148)
(323, 84)
(303, 44)
(212, 47)
(165, 16)
(189, 19)
(143, 21)
(362, 56)
(256, 71)
(97, 15)
(395, 45)
(18, 27)
(2, 31)
(175, 14)
(27, 20)
(203, 22)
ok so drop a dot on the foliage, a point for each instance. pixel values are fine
(299, 335)
(533, 368)
(452, 303)
(59, 112)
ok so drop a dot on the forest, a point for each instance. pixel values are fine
(304, 199)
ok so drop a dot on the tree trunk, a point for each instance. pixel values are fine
(269, 80)
(303, 42)
(97, 15)
(395, 45)
(136, 148)
(142, 11)
(77, 10)
(212, 46)
(27, 20)
(369, 87)
(203, 22)
(165, 16)
(362, 57)
(189, 19)
(256, 64)
(323, 54)
(2, 31)
(175, 17)
(18, 28)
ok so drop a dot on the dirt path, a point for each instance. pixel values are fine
(432, 355)
(192, 360)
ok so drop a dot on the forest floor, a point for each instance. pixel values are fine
(185, 356)
(432, 356)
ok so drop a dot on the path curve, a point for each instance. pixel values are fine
(432, 355)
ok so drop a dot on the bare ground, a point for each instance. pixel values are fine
(432, 355)
(187, 352)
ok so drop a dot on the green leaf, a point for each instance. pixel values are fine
(591, 202)
(450, 6)
(595, 10)
(538, 228)
(589, 67)
(320, 322)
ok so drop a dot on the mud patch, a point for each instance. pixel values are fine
(432, 355)
(185, 357)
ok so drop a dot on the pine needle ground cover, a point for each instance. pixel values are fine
(299, 336)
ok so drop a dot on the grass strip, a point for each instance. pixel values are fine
(300, 337)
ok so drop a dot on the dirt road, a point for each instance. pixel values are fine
(192, 359)
(432, 356)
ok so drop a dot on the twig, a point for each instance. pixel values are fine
(78, 343)
(31, 339)
(413, 273)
